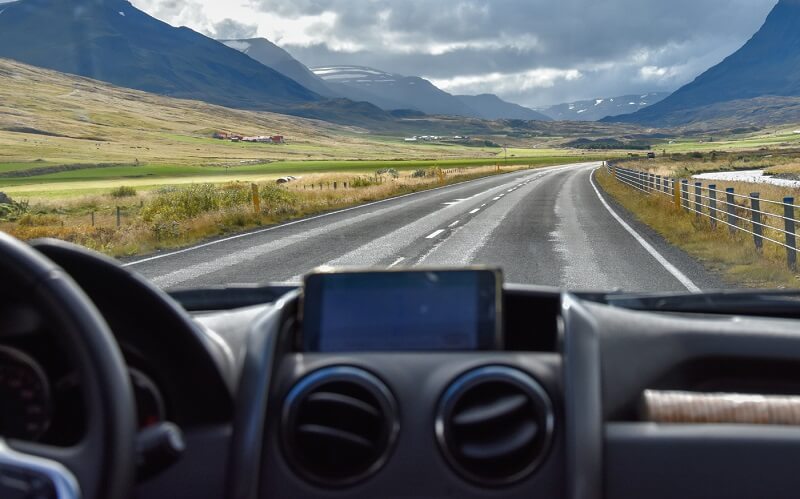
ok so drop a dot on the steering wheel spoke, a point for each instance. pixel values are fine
(35, 470)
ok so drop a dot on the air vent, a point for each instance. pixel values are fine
(338, 425)
(494, 425)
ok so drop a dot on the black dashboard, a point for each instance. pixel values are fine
(559, 411)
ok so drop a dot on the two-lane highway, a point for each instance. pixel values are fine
(548, 226)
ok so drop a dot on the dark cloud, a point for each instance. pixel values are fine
(534, 52)
(619, 46)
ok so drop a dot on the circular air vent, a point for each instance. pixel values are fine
(494, 425)
(338, 425)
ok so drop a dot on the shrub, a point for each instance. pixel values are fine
(123, 191)
(388, 171)
(173, 203)
(13, 210)
(363, 182)
(168, 229)
(176, 204)
(277, 201)
(38, 220)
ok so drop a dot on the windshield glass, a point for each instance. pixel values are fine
(621, 145)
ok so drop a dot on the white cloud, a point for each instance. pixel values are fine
(502, 82)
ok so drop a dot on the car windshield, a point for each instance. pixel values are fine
(633, 145)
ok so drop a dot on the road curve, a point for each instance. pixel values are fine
(548, 226)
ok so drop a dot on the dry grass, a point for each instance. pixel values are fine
(731, 255)
(179, 216)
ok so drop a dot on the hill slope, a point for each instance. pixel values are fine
(596, 109)
(492, 107)
(767, 65)
(50, 119)
(269, 54)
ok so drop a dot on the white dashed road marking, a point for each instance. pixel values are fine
(434, 234)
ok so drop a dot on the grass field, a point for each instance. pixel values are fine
(98, 180)
(776, 137)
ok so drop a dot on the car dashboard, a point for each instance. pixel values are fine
(563, 408)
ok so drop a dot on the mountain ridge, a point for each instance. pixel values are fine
(273, 56)
(391, 91)
(492, 107)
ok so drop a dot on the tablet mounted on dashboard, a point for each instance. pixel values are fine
(402, 310)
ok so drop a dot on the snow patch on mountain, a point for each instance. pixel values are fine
(598, 108)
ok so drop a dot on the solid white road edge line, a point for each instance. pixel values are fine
(677, 274)
(397, 261)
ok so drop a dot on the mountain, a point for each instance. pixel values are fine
(110, 40)
(767, 65)
(269, 54)
(492, 107)
(596, 109)
(391, 91)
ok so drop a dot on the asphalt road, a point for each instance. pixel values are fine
(549, 226)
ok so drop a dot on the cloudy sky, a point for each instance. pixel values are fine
(534, 52)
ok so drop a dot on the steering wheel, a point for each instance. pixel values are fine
(102, 464)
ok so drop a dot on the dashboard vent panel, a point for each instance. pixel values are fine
(338, 426)
(494, 425)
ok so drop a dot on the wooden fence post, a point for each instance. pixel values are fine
(791, 241)
(685, 194)
(119, 221)
(676, 194)
(92, 218)
(712, 204)
(730, 207)
(698, 200)
(758, 230)
(256, 199)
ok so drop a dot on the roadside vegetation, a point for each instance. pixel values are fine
(126, 222)
(733, 256)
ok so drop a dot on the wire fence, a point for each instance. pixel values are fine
(766, 220)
